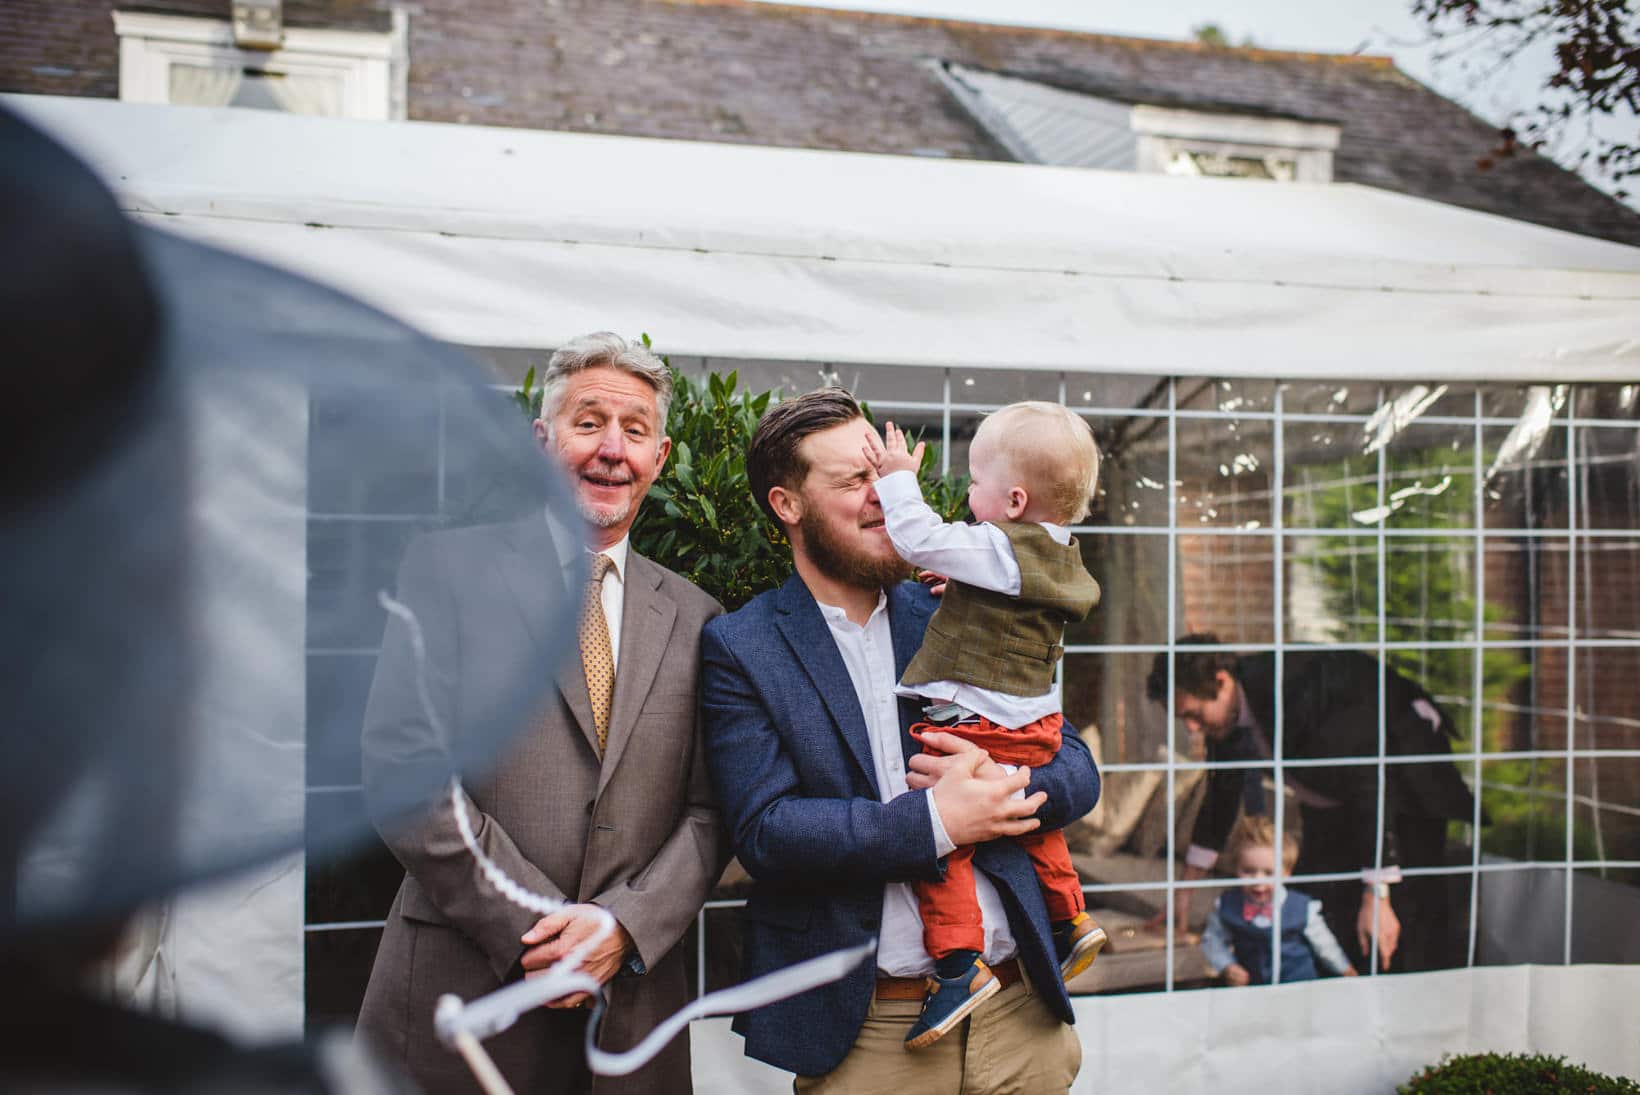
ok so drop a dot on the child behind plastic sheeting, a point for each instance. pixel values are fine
(1237, 943)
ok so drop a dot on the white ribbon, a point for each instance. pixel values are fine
(461, 1025)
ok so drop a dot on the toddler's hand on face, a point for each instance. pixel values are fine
(893, 454)
(873, 450)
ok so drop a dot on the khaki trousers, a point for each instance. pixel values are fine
(1013, 1045)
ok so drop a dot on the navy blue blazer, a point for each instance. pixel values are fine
(787, 748)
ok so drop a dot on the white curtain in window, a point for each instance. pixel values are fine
(202, 85)
(226, 85)
(307, 94)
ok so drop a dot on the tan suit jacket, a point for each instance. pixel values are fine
(637, 833)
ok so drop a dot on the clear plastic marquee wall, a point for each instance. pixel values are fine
(1479, 540)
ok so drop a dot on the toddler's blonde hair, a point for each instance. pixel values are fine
(1259, 831)
(1051, 449)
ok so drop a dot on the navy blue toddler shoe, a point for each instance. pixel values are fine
(949, 1001)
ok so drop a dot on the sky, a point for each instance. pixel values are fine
(1384, 27)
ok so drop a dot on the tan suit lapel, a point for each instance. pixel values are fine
(531, 548)
(572, 685)
(646, 626)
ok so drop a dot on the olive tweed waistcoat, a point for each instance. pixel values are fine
(1008, 644)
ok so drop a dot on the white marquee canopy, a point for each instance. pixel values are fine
(522, 238)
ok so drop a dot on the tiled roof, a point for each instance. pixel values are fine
(731, 70)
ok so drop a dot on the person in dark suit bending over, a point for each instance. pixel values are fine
(834, 811)
(1329, 709)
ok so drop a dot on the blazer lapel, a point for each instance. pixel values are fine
(806, 631)
(530, 550)
(908, 614)
(572, 685)
(646, 626)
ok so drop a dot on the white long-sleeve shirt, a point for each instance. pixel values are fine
(868, 654)
(977, 555)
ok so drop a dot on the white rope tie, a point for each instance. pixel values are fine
(460, 1026)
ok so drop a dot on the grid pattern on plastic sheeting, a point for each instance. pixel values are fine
(1479, 539)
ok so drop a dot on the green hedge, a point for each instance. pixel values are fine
(1512, 1074)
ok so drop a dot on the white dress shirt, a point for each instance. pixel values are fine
(868, 654)
(612, 595)
(976, 555)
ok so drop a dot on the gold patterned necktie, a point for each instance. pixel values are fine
(597, 658)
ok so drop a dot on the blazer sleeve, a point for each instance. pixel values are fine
(399, 737)
(1071, 780)
(657, 905)
(781, 831)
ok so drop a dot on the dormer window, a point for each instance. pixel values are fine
(1229, 165)
(1039, 123)
(1180, 141)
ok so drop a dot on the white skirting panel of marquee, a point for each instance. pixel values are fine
(1360, 1035)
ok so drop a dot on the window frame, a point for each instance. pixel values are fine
(370, 65)
(1164, 132)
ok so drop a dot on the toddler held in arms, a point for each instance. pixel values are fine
(985, 669)
(1237, 942)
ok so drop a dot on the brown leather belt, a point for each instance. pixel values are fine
(913, 988)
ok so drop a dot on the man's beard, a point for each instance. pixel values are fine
(602, 518)
(841, 562)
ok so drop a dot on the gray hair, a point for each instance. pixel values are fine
(602, 348)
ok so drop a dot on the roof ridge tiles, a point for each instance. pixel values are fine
(1254, 53)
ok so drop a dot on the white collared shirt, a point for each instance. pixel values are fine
(976, 555)
(868, 654)
(612, 594)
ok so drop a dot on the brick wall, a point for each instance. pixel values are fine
(59, 47)
(1227, 587)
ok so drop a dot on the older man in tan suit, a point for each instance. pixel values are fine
(604, 803)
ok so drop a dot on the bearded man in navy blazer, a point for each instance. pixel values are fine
(834, 809)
